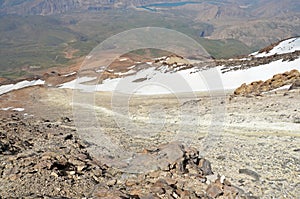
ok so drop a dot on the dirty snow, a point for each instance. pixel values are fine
(19, 85)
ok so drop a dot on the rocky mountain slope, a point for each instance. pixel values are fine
(228, 8)
(45, 156)
(126, 74)
(204, 145)
(49, 7)
(38, 7)
(255, 23)
(58, 33)
(47, 159)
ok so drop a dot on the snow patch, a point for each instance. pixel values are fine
(123, 59)
(28, 115)
(131, 67)
(234, 79)
(158, 82)
(152, 81)
(19, 109)
(130, 72)
(101, 69)
(19, 85)
(78, 84)
(12, 108)
(286, 87)
(287, 46)
(70, 74)
(6, 109)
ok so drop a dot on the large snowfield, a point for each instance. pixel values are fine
(151, 81)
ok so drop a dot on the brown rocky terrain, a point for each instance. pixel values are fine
(43, 158)
(43, 154)
(255, 88)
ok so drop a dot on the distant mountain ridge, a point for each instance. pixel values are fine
(49, 7)
(38, 7)
(42, 32)
(265, 20)
(244, 8)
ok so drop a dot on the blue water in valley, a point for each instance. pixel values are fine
(172, 4)
(166, 5)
